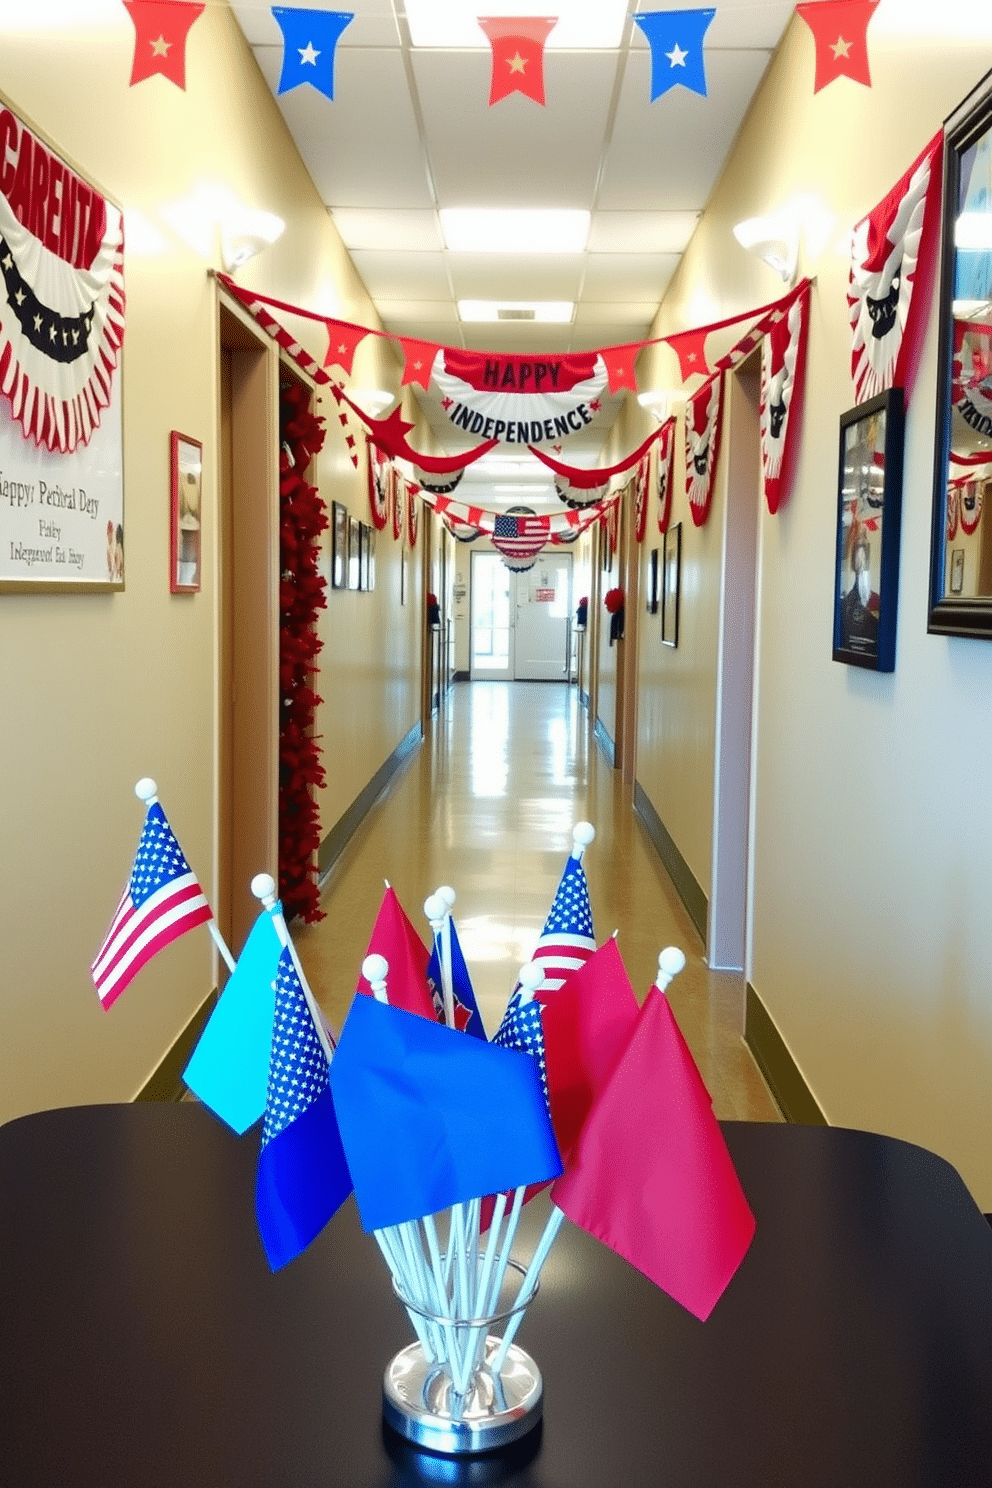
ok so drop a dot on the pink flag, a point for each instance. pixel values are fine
(394, 937)
(651, 1176)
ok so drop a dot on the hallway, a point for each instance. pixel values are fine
(487, 805)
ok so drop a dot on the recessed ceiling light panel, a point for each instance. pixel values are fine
(514, 230)
(548, 312)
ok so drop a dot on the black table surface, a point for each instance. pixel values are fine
(145, 1342)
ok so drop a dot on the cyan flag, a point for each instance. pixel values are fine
(309, 40)
(467, 1016)
(429, 1118)
(229, 1070)
(676, 41)
(302, 1177)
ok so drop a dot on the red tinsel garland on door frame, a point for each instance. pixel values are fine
(302, 592)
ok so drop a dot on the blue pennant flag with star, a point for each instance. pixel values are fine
(309, 39)
(676, 41)
(467, 1016)
(302, 1177)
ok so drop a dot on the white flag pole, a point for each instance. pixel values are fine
(146, 790)
(438, 912)
(263, 886)
(527, 1285)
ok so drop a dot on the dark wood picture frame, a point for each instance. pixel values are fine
(354, 553)
(186, 524)
(339, 545)
(652, 598)
(671, 585)
(869, 503)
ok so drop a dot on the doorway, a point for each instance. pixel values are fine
(521, 623)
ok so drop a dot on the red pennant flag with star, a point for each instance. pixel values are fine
(418, 361)
(343, 341)
(840, 30)
(619, 363)
(161, 28)
(690, 348)
(518, 54)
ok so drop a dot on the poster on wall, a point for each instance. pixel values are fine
(61, 334)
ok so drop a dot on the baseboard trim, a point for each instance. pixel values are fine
(344, 829)
(165, 1082)
(782, 1075)
(675, 864)
(605, 743)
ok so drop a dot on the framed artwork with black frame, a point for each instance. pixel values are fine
(653, 582)
(339, 545)
(354, 553)
(364, 533)
(866, 563)
(186, 535)
(670, 585)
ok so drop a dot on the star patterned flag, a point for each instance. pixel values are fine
(520, 537)
(568, 939)
(302, 1177)
(522, 1029)
(467, 1016)
(676, 41)
(161, 901)
(309, 40)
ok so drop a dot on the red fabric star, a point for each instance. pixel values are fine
(518, 54)
(161, 28)
(840, 30)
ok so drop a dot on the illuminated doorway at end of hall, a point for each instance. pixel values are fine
(521, 622)
(492, 634)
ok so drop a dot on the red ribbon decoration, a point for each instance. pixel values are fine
(587, 479)
(518, 54)
(840, 30)
(161, 28)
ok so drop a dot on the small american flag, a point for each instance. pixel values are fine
(521, 537)
(568, 939)
(523, 1030)
(161, 901)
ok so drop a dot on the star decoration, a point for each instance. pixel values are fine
(160, 47)
(840, 32)
(309, 35)
(841, 48)
(161, 28)
(517, 63)
(517, 42)
(677, 56)
(676, 41)
(308, 57)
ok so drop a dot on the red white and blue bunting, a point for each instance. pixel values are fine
(666, 473)
(62, 294)
(703, 427)
(519, 399)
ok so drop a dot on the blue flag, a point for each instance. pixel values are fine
(429, 1118)
(302, 1177)
(309, 39)
(229, 1070)
(467, 1016)
(676, 41)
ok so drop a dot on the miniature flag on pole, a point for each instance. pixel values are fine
(429, 1118)
(302, 1177)
(394, 937)
(229, 1070)
(161, 901)
(567, 940)
(468, 1019)
(651, 1176)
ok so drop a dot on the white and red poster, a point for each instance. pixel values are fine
(61, 332)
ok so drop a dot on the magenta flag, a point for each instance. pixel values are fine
(394, 937)
(651, 1176)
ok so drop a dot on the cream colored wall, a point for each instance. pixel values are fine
(101, 689)
(871, 936)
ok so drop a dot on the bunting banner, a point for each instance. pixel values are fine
(641, 485)
(160, 31)
(441, 485)
(397, 490)
(840, 31)
(783, 378)
(666, 473)
(703, 427)
(971, 507)
(412, 515)
(587, 480)
(953, 508)
(676, 41)
(971, 375)
(518, 54)
(378, 476)
(343, 340)
(519, 399)
(309, 41)
(893, 257)
(518, 537)
(577, 497)
(62, 295)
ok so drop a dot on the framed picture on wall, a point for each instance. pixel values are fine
(354, 552)
(370, 535)
(866, 561)
(671, 583)
(652, 600)
(364, 533)
(339, 545)
(185, 552)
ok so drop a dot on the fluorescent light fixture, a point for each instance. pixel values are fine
(514, 230)
(582, 24)
(659, 401)
(774, 239)
(373, 401)
(546, 312)
(951, 20)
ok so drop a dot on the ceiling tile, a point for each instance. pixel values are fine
(398, 276)
(641, 232)
(738, 24)
(374, 23)
(634, 276)
(478, 276)
(383, 228)
(607, 313)
(426, 313)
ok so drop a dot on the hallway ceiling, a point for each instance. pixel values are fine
(410, 132)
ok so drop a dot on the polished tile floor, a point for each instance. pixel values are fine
(487, 805)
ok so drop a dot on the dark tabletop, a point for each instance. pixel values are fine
(145, 1342)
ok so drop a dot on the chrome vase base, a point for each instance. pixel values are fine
(418, 1401)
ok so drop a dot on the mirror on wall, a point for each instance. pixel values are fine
(961, 549)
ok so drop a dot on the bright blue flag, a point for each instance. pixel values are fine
(309, 39)
(229, 1070)
(429, 1118)
(302, 1177)
(676, 41)
(467, 1016)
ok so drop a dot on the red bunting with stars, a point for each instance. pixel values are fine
(161, 28)
(518, 54)
(343, 340)
(703, 423)
(690, 348)
(418, 361)
(840, 30)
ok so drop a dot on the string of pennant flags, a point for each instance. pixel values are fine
(676, 39)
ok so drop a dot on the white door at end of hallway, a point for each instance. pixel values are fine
(492, 619)
(543, 619)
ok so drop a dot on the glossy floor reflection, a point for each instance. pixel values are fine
(487, 805)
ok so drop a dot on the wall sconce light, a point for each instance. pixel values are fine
(245, 232)
(774, 239)
(373, 401)
(658, 401)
